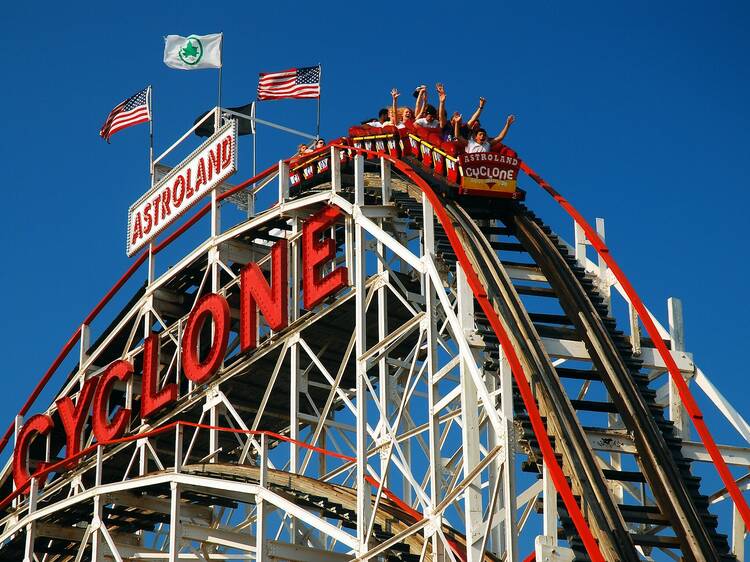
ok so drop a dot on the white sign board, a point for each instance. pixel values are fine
(209, 165)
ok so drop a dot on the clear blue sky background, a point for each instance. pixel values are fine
(637, 111)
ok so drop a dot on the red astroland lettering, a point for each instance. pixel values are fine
(41, 425)
(137, 229)
(73, 417)
(209, 306)
(153, 399)
(104, 428)
(214, 161)
(315, 254)
(226, 151)
(200, 174)
(272, 300)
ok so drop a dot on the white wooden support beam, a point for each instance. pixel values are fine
(364, 506)
(580, 244)
(549, 502)
(261, 512)
(335, 167)
(677, 412)
(385, 179)
(433, 393)
(384, 386)
(84, 344)
(738, 535)
(547, 550)
(283, 182)
(604, 287)
(469, 427)
(97, 542)
(175, 531)
(509, 503)
(31, 527)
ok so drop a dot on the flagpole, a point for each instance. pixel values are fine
(217, 118)
(320, 82)
(151, 138)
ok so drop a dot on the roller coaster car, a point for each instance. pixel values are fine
(487, 174)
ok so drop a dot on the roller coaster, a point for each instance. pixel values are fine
(370, 359)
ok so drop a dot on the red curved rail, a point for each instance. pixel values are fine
(691, 406)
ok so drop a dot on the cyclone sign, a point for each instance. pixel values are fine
(201, 172)
(489, 171)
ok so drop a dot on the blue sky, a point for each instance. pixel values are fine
(636, 111)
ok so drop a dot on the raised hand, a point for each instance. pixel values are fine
(510, 119)
(482, 101)
(394, 94)
(456, 117)
(441, 91)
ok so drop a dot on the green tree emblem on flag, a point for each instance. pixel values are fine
(192, 52)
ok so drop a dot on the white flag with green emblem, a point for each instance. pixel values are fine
(193, 52)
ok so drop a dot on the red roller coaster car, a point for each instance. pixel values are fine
(486, 174)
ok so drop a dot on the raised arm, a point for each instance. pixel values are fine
(421, 102)
(456, 121)
(394, 108)
(508, 122)
(442, 116)
(476, 114)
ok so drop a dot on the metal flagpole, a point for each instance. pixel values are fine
(151, 137)
(320, 81)
(217, 117)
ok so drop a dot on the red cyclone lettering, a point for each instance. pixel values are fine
(153, 399)
(104, 428)
(315, 254)
(255, 292)
(73, 417)
(40, 424)
(216, 307)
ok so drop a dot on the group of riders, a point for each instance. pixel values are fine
(469, 135)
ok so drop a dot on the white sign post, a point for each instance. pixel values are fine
(201, 172)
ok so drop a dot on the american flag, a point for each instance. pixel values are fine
(292, 83)
(132, 111)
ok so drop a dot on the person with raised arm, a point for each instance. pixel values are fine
(479, 142)
(406, 113)
(421, 94)
(442, 115)
(473, 122)
(456, 127)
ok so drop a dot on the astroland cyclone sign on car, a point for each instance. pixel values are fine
(209, 165)
(256, 294)
(489, 172)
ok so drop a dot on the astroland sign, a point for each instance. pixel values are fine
(201, 172)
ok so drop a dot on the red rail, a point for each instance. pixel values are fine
(691, 406)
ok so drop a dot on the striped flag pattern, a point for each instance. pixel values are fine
(132, 111)
(293, 83)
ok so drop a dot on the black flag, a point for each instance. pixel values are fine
(244, 126)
